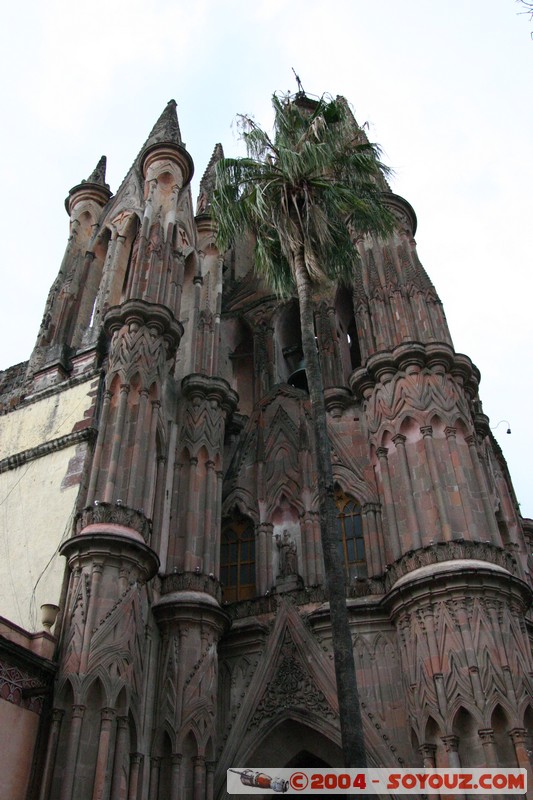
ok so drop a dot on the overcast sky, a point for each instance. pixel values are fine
(445, 87)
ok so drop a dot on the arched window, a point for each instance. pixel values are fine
(237, 559)
(350, 535)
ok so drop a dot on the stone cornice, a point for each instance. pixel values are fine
(144, 313)
(117, 514)
(210, 388)
(191, 582)
(383, 366)
(42, 394)
(70, 439)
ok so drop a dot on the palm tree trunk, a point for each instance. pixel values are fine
(349, 708)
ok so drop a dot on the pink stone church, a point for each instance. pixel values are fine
(164, 614)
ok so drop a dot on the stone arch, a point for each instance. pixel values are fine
(121, 703)
(352, 484)
(238, 340)
(191, 264)
(124, 261)
(97, 684)
(242, 500)
(433, 733)
(93, 304)
(506, 708)
(288, 345)
(470, 749)
(460, 702)
(500, 724)
(280, 743)
(165, 767)
(287, 494)
(410, 427)
(350, 351)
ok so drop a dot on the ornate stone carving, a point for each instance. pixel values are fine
(291, 688)
(143, 344)
(19, 687)
(114, 514)
(448, 551)
(193, 582)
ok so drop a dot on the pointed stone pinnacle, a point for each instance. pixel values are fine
(207, 184)
(167, 128)
(98, 174)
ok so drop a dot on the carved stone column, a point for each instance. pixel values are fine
(483, 490)
(199, 778)
(464, 494)
(389, 502)
(136, 760)
(53, 741)
(121, 744)
(175, 776)
(210, 780)
(101, 774)
(519, 740)
(428, 753)
(412, 519)
(155, 764)
(486, 736)
(71, 759)
(427, 433)
(374, 538)
(264, 540)
(451, 744)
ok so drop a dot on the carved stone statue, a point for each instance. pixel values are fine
(288, 555)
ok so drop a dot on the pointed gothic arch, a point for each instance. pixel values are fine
(350, 351)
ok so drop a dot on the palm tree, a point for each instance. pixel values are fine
(304, 194)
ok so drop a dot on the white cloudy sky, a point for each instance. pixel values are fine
(446, 88)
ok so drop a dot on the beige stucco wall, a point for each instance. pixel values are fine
(34, 519)
(18, 731)
(43, 421)
(37, 501)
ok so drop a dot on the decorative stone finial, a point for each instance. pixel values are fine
(167, 128)
(207, 184)
(98, 174)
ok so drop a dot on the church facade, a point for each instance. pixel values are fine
(161, 507)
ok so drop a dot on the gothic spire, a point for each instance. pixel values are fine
(95, 184)
(207, 184)
(167, 128)
(97, 176)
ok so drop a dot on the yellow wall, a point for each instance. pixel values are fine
(37, 504)
(34, 519)
(44, 420)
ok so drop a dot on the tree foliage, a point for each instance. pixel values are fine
(305, 194)
(314, 184)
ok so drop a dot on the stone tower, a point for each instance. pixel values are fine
(165, 419)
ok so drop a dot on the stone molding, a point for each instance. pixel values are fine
(449, 551)
(381, 367)
(191, 581)
(25, 678)
(70, 439)
(115, 514)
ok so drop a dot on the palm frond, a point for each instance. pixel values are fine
(301, 190)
